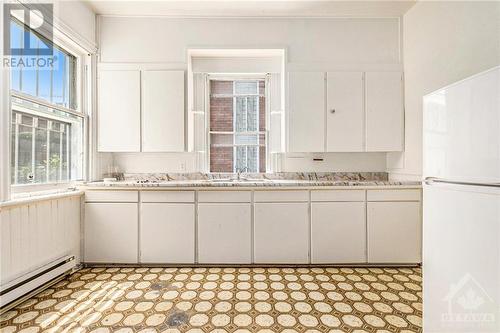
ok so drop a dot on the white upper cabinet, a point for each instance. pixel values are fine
(306, 123)
(119, 107)
(140, 110)
(345, 116)
(362, 112)
(384, 111)
(162, 111)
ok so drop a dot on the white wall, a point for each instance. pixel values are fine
(443, 42)
(312, 44)
(337, 41)
(77, 16)
(340, 162)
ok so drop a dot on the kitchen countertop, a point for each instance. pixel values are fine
(274, 180)
(250, 183)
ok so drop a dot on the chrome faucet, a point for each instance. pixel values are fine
(239, 171)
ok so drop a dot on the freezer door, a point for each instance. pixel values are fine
(461, 264)
(462, 130)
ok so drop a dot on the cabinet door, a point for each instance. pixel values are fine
(345, 116)
(306, 123)
(162, 111)
(394, 232)
(224, 233)
(281, 233)
(110, 233)
(167, 233)
(338, 232)
(384, 111)
(119, 111)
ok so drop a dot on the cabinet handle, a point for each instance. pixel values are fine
(332, 111)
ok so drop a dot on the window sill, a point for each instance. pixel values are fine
(36, 189)
(30, 197)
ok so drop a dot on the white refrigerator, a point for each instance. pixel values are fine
(461, 236)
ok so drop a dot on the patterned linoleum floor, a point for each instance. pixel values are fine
(225, 300)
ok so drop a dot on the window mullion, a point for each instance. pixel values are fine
(67, 130)
(60, 155)
(64, 84)
(16, 149)
(51, 90)
(49, 124)
(33, 145)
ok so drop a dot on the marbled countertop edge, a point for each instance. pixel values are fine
(282, 179)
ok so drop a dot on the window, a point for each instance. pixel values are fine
(237, 126)
(46, 123)
(56, 84)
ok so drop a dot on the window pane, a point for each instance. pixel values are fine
(262, 158)
(13, 145)
(25, 157)
(54, 156)
(221, 159)
(44, 85)
(40, 155)
(252, 159)
(219, 87)
(56, 85)
(28, 84)
(64, 156)
(221, 114)
(241, 158)
(262, 114)
(252, 109)
(241, 114)
(246, 139)
(71, 83)
(245, 87)
(219, 139)
(58, 79)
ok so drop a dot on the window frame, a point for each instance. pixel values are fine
(82, 101)
(258, 132)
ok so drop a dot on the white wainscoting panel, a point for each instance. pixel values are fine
(37, 233)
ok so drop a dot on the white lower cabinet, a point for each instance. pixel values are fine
(338, 232)
(323, 226)
(281, 233)
(111, 232)
(394, 232)
(167, 233)
(224, 233)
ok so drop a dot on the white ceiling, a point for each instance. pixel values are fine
(240, 8)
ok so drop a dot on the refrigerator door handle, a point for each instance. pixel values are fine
(431, 180)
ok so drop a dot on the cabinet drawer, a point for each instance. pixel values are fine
(393, 195)
(111, 196)
(281, 196)
(224, 196)
(338, 195)
(167, 196)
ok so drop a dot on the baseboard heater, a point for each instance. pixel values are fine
(27, 283)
